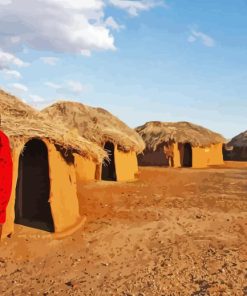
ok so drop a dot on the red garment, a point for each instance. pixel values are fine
(6, 169)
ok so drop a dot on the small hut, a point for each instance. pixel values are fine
(236, 149)
(99, 126)
(179, 144)
(44, 180)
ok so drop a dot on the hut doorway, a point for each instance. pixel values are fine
(108, 169)
(187, 158)
(33, 188)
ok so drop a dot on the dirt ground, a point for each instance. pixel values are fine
(172, 232)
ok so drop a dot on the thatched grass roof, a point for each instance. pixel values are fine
(155, 133)
(21, 123)
(96, 125)
(238, 141)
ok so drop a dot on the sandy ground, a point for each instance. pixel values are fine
(173, 232)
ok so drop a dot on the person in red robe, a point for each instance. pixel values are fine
(6, 168)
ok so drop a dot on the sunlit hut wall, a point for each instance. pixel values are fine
(99, 126)
(187, 144)
(28, 130)
(236, 149)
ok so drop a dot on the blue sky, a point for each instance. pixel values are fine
(142, 60)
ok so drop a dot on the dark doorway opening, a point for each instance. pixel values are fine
(33, 188)
(108, 169)
(187, 159)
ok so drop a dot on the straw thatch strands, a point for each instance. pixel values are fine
(22, 122)
(44, 180)
(100, 126)
(179, 144)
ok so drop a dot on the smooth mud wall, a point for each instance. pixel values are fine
(85, 169)
(63, 194)
(125, 164)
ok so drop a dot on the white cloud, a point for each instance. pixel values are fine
(134, 7)
(5, 2)
(7, 59)
(200, 36)
(52, 61)
(111, 23)
(36, 98)
(53, 85)
(69, 26)
(11, 74)
(19, 87)
(25, 50)
(75, 87)
(191, 39)
(70, 87)
(86, 53)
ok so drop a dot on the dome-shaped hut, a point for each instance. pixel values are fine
(44, 180)
(236, 149)
(101, 127)
(179, 144)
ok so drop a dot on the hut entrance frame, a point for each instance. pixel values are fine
(187, 155)
(32, 207)
(108, 169)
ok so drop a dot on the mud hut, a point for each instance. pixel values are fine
(179, 144)
(99, 126)
(236, 149)
(44, 180)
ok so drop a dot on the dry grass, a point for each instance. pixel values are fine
(21, 123)
(155, 133)
(96, 125)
